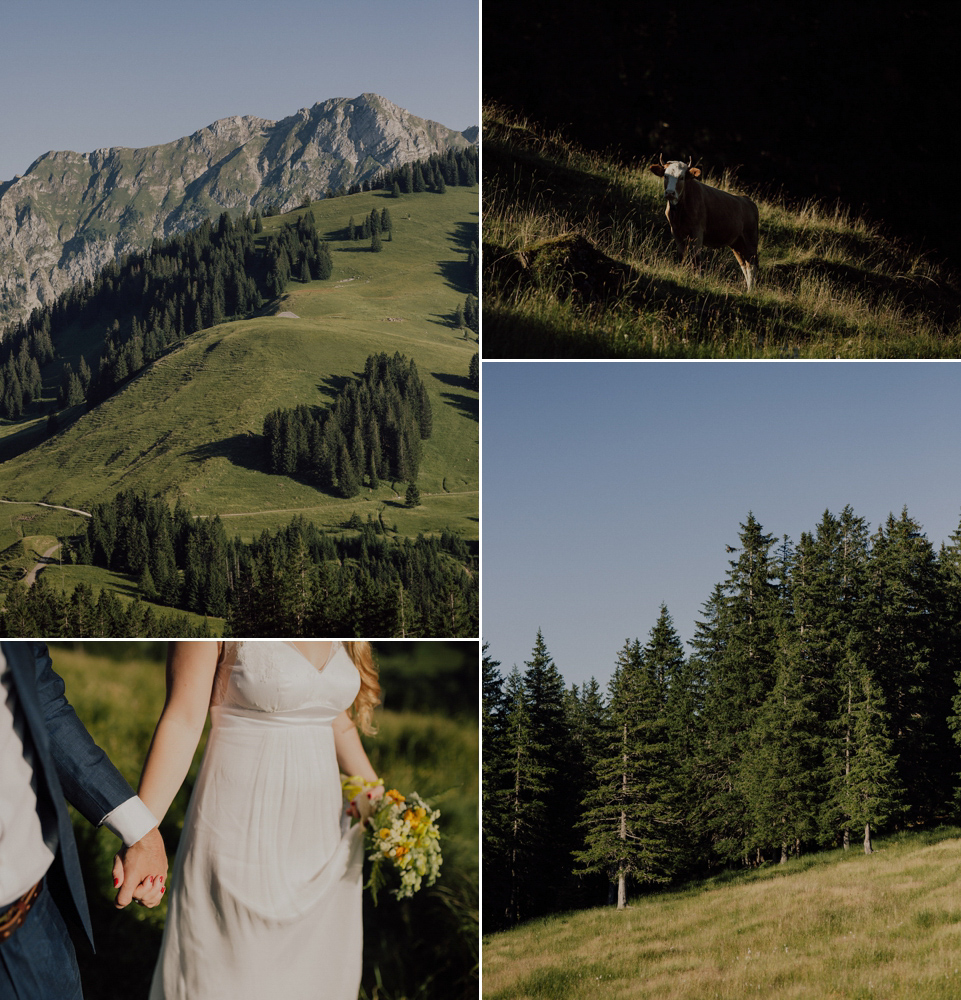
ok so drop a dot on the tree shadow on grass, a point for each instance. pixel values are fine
(458, 274)
(469, 406)
(243, 450)
(455, 381)
(22, 440)
(464, 234)
(335, 384)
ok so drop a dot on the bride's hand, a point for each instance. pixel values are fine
(139, 871)
(363, 804)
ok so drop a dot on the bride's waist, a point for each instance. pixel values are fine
(229, 716)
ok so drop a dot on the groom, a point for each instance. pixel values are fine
(46, 754)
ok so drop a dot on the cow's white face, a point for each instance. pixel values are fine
(675, 174)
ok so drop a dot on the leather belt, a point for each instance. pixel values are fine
(15, 914)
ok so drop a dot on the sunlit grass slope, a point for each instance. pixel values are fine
(840, 926)
(579, 262)
(190, 425)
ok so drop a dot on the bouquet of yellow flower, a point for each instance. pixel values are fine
(401, 834)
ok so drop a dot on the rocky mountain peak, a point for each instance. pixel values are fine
(70, 213)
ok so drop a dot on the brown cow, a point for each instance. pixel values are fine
(704, 216)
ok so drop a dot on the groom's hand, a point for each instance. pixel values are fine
(140, 870)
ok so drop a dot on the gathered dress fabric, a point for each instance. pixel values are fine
(265, 898)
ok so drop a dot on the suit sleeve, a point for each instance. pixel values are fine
(89, 781)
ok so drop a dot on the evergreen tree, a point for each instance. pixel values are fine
(323, 262)
(738, 646)
(628, 815)
(550, 749)
(866, 787)
(684, 684)
(520, 804)
(914, 680)
(782, 769)
(830, 601)
(587, 722)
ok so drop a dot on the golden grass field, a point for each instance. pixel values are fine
(838, 926)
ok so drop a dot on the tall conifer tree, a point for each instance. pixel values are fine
(628, 816)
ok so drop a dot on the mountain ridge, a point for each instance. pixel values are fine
(71, 213)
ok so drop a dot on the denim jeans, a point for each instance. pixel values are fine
(37, 962)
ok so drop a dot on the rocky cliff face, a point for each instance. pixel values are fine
(71, 213)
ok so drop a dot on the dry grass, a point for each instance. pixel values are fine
(846, 927)
(830, 284)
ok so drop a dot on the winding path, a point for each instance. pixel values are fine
(31, 578)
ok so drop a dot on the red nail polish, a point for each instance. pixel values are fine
(116, 882)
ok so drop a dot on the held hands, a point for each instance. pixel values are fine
(139, 871)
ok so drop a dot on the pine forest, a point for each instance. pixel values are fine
(818, 705)
(372, 431)
(298, 580)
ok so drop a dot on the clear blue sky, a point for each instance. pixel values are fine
(611, 487)
(84, 74)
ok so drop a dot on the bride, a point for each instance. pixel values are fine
(266, 891)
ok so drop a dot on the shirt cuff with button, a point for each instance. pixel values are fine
(130, 821)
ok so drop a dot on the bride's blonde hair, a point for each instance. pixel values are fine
(368, 698)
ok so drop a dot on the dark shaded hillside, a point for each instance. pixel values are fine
(578, 262)
(827, 102)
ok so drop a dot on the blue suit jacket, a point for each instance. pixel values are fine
(68, 765)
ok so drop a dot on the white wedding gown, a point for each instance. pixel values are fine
(265, 900)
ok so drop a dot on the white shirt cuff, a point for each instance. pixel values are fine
(130, 821)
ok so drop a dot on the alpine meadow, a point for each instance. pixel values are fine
(267, 423)
(772, 813)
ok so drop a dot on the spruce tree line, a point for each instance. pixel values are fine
(298, 580)
(455, 168)
(53, 613)
(148, 301)
(370, 434)
(21, 359)
(296, 251)
(373, 225)
(819, 704)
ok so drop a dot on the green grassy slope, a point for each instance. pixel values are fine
(579, 262)
(190, 425)
(845, 926)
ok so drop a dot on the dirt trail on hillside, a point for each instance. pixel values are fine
(53, 506)
(31, 578)
(303, 510)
